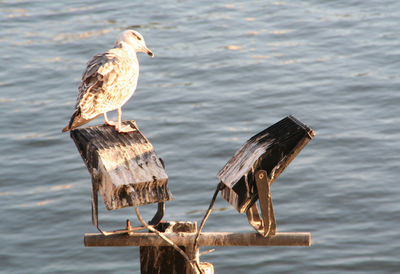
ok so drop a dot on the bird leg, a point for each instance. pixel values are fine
(108, 122)
(122, 128)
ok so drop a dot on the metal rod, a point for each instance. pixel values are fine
(203, 222)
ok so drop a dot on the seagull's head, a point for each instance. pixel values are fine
(134, 40)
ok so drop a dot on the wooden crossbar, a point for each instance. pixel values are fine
(205, 239)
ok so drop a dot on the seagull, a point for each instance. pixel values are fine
(109, 81)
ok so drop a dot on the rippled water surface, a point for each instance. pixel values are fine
(222, 72)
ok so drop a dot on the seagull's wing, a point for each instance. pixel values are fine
(97, 90)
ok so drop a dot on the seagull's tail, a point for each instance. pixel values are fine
(76, 121)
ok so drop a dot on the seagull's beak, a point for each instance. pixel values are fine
(149, 52)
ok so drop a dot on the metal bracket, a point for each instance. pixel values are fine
(159, 214)
(95, 216)
(267, 225)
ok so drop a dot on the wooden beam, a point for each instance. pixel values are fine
(205, 239)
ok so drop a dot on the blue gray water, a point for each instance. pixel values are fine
(222, 72)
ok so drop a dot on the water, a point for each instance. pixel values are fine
(222, 72)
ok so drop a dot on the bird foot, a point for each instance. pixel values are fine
(124, 128)
(110, 123)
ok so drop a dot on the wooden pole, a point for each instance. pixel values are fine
(163, 258)
(205, 239)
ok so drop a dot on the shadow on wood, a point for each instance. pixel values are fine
(124, 167)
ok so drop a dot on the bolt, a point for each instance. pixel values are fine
(128, 224)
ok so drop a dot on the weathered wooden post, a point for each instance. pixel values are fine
(126, 172)
(165, 259)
